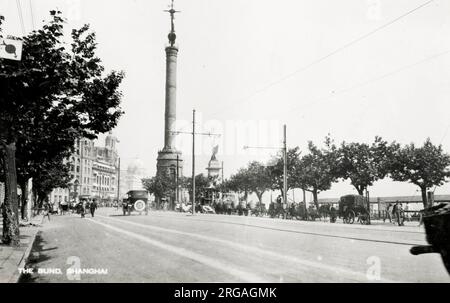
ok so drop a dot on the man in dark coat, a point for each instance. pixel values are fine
(93, 207)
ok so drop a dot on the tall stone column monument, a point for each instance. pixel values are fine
(169, 159)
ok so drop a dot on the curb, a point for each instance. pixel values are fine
(17, 275)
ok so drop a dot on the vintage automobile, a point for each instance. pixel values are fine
(353, 206)
(137, 201)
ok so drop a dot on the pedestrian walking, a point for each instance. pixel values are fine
(388, 213)
(46, 207)
(397, 212)
(93, 207)
(394, 212)
(82, 208)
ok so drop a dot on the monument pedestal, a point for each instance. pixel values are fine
(168, 160)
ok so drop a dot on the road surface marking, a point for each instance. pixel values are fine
(337, 270)
(381, 228)
(421, 242)
(242, 275)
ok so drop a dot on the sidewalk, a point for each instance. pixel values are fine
(11, 259)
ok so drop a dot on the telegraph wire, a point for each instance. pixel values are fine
(32, 15)
(323, 58)
(19, 9)
(370, 81)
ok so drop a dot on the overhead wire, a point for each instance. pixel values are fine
(32, 14)
(370, 81)
(323, 58)
(19, 10)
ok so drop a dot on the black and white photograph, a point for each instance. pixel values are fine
(254, 143)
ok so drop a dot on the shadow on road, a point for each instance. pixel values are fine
(37, 256)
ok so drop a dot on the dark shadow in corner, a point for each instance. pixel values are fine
(37, 256)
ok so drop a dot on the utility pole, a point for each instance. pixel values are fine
(118, 184)
(284, 150)
(193, 133)
(284, 166)
(304, 203)
(222, 172)
(176, 183)
(193, 162)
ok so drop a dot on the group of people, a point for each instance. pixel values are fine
(85, 205)
(396, 211)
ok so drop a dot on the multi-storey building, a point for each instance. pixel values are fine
(94, 172)
(105, 170)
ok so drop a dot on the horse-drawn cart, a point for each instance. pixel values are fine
(353, 206)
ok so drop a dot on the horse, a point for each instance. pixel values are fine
(324, 211)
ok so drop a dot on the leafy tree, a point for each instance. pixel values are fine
(201, 183)
(161, 186)
(51, 175)
(425, 166)
(276, 171)
(364, 164)
(254, 178)
(317, 170)
(240, 182)
(258, 178)
(55, 94)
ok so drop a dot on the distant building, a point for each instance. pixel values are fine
(105, 170)
(131, 177)
(214, 166)
(94, 172)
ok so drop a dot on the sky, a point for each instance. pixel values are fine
(250, 66)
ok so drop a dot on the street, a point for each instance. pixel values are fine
(179, 247)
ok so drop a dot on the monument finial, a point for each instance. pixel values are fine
(172, 36)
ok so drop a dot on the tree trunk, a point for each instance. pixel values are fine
(282, 192)
(24, 202)
(316, 200)
(260, 195)
(35, 198)
(424, 196)
(10, 211)
(360, 190)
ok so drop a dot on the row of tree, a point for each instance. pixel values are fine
(163, 185)
(360, 163)
(57, 94)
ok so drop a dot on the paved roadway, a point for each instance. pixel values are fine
(175, 247)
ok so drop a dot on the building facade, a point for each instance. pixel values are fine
(94, 172)
(105, 170)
